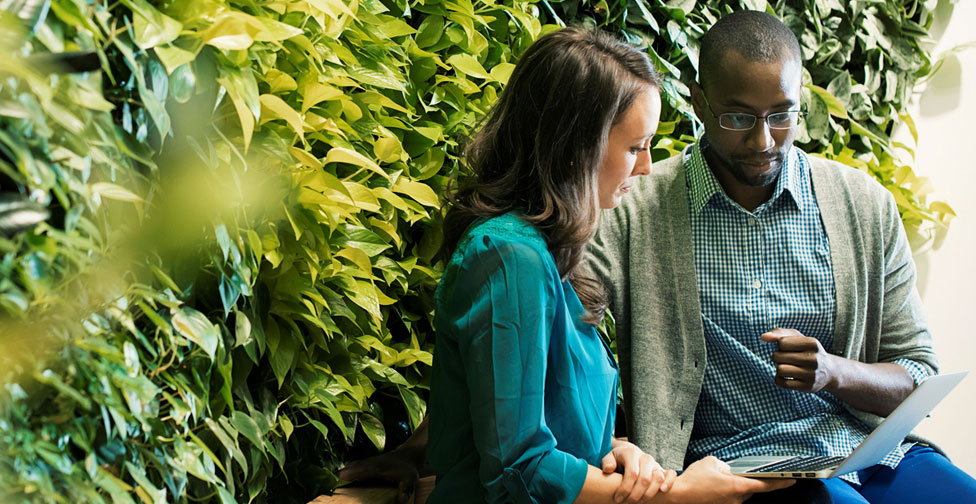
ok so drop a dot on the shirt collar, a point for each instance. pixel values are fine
(703, 186)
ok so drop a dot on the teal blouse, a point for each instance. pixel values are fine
(523, 392)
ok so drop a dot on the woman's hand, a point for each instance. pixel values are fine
(643, 477)
(710, 481)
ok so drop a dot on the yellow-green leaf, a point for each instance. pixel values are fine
(363, 196)
(115, 192)
(333, 8)
(273, 107)
(468, 65)
(349, 156)
(420, 192)
(834, 106)
(244, 115)
(154, 30)
(502, 71)
(316, 93)
(387, 149)
(173, 56)
(357, 257)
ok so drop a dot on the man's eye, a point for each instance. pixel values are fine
(741, 120)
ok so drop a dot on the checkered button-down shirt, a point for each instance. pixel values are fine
(760, 270)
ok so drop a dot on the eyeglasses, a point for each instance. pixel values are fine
(740, 121)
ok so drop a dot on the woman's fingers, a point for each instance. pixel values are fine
(609, 463)
(669, 478)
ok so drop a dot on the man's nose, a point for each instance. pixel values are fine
(760, 138)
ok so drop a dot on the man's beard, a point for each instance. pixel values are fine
(740, 172)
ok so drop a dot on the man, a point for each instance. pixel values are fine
(764, 299)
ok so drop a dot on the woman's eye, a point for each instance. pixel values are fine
(636, 150)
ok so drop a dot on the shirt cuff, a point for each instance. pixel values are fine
(556, 478)
(916, 370)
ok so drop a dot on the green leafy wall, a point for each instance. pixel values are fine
(229, 291)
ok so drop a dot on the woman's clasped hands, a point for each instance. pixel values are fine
(705, 481)
(643, 477)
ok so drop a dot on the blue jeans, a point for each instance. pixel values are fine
(923, 476)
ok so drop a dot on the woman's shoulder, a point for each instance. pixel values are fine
(506, 241)
(509, 227)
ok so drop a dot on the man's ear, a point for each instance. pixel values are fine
(698, 101)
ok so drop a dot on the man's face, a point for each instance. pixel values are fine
(754, 157)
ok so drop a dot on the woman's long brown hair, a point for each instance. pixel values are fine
(542, 145)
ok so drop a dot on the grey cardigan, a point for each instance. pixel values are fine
(643, 254)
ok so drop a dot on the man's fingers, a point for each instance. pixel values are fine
(800, 359)
(797, 344)
(794, 372)
(768, 485)
(714, 463)
(794, 384)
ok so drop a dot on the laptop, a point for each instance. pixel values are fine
(885, 437)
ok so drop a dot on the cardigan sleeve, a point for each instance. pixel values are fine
(904, 327)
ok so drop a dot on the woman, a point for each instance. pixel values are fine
(523, 390)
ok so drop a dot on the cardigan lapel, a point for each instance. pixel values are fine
(837, 225)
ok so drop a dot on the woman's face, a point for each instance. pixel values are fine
(628, 148)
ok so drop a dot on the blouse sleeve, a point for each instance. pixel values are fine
(503, 306)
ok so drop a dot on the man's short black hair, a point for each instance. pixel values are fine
(756, 35)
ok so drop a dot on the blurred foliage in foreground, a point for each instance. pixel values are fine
(215, 281)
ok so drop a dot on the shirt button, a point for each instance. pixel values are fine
(752, 222)
(757, 284)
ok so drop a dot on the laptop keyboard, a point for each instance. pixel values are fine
(801, 464)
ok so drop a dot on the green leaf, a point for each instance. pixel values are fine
(365, 240)
(115, 192)
(373, 429)
(151, 27)
(376, 75)
(834, 106)
(248, 427)
(468, 65)
(415, 407)
(195, 327)
(431, 29)
(282, 355)
(364, 295)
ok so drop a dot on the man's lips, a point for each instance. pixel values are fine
(759, 162)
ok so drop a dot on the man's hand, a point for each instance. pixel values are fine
(802, 363)
(643, 476)
(710, 481)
